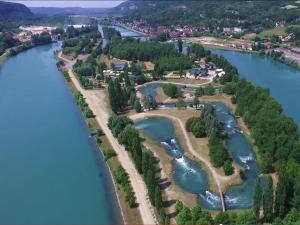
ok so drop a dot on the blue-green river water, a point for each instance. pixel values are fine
(50, 169)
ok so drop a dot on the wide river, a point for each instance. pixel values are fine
(282, 80)
(51, 171)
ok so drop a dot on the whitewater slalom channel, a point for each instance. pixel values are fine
(188, 174)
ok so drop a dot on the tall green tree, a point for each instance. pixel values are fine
(112, 96)
(282, 195)
(158, 198)
(257, 199)
(268, 199)
(179, 43)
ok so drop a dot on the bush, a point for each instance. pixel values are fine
(228, 168)
(196, 126)
(137, 106)
(108, 154)
(171, 90)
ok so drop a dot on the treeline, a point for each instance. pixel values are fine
(119, 173)
(123, 179)
(87, 112)
(212, 16)
(131, 49)
(84, 71)
(41, 39)
(206, 90)
(197, 215)
(111, 33)
(122, 93)
(174, 62)
(72, 32)
(117, 95)
(83, 44)
(277, 139)
(266, 198)
(6, 41)
(146, 164)
(208, 125)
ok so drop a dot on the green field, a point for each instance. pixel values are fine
(275, 31)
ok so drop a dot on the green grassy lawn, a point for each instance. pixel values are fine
(275, 31)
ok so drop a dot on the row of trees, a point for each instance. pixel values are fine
(72, 32)
(197, 215)
(117, 95)
(208, 125)
(267, 198)
(131, 49)
(144, 161)
(273, 211)
(87, 112)
(123, 179)
(120, 174)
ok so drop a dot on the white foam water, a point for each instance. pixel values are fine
(173, 141)
(231, 200)
(246, 159)
(165, 144)
(212, 199)
(212, 196)
(183, 162)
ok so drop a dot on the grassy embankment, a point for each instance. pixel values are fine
(130, 215)
(267, 34)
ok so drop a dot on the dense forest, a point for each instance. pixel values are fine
(250, 15)
(6, 41)
(131, 49)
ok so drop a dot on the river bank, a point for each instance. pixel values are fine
(129, 215)
(96, 99)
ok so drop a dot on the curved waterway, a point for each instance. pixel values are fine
(282, 80)
(50, 169)
(189, 175)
